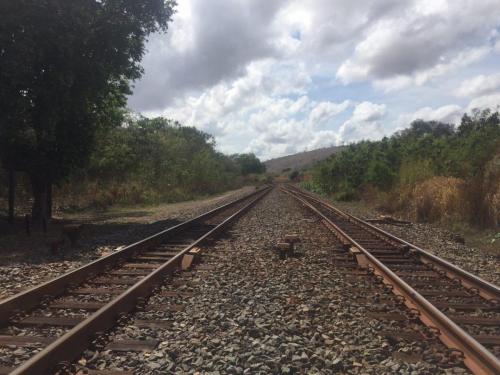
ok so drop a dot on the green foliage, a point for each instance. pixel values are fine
(294, 176)
(157, 160)
(65, 68)
(249, 163)
(416, 154)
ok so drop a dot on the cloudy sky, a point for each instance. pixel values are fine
(275, 77)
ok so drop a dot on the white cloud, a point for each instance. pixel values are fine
(450, 114)
(367, 111)
(479, 85)
(324, 111)
(364, 123)
(279, 76)
(463, 59)
(491, 101)
(428, 41)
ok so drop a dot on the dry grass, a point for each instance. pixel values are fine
(439, 199)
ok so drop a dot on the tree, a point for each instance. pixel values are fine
(65, 68)
(249, 163)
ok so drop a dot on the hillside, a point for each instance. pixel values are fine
(299, 161)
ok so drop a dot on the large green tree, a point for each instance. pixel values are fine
(65, 71)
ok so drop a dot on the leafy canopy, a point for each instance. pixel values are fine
(65, 68)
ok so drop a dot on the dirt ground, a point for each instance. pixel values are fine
(101, 230)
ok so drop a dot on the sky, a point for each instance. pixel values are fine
(276, 77)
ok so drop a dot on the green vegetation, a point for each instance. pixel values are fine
(148, 161)
(157, 160)
(66, 68)
(431, 170)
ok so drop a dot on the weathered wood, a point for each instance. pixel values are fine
(77, 305)
(165, 308)
(97, 291)
(25, 340)
(459, 319)
(115, 280)
(63, 321)
(154, 324)
(132, 345)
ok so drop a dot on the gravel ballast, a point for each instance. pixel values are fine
(436, 240)
(99, 237)
(245, 311)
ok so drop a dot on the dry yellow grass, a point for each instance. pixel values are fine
(439, 198)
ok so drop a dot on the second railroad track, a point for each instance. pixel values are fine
(462, 309)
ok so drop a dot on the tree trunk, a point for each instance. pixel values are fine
(12, 194)
(49, 200)
(42, 188)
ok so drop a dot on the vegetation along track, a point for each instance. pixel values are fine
(71, 312)
(462, 309)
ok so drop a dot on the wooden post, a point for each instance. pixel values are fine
(12, 194)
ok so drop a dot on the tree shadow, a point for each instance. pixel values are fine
(96, 237)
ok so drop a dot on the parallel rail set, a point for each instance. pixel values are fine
(445, 297)
(458, 306)
(125, 279)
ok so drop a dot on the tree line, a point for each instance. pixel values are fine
(66, 69)
(398, 167)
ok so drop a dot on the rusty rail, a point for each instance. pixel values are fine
(476, 357)
(486, 289)
(67, 347)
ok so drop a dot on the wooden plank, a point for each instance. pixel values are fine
(475, 320)
(465, 306)
(77, 305)
(97, 291)
(488, 339)
(448, 293)
(130, 272)
(132, 345)
(154, 324)
(165, 308)
(6, 370)
(25, 340)
(142, 265)
(115, 280)
(157, 254)
(64, 321)
(429, 274)
(151, 258)
(174, 293)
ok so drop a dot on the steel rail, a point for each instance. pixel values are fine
(32, 297)
(72, 343)
(487, 290)
(476, 357)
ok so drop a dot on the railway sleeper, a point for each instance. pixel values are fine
(43, 321)
(127, 345)
(25, 341)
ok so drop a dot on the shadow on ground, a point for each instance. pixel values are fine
(96, 237)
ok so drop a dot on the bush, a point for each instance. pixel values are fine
(432, 169)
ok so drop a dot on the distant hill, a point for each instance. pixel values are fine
(301, 160)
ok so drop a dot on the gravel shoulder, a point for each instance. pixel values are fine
(245, 311)
(26, 261)
(436, 240)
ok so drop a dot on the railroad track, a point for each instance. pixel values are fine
(66, 315)
(462, 309)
